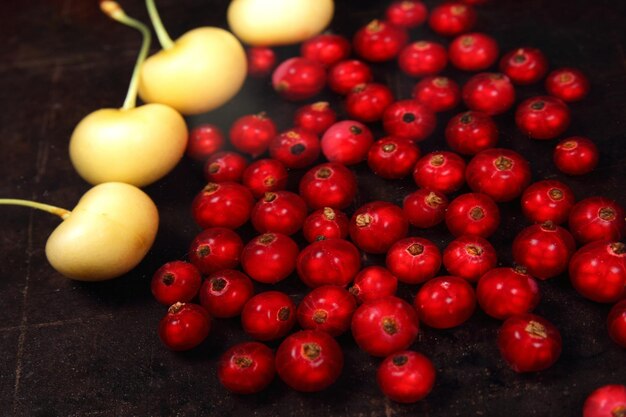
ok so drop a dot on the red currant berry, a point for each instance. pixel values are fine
(246, 368)
(295, 148)
(524, 65)
(280, 212)
(328, 308)
(392, 158)
(438, 93)
(204, 140)
(261, 61)
(326, 48)
(445, 302)
(265, 175)
(224, 166)
(309, 360)
(377, 225)
(406, 13)
(175, 281)
(469, 257)
(406, 376)
(568, 84)
(473, 214)
(576, 155)
(409, 119)
(268, 316)
(367, 102)
(379, 41)
(529, 343)
(328, 262)
(606, 401)
(345, 75)
(452, 18)
(383, 326)
(225, 204)
(224, 293)
(547, 200)
(373, 282)
(616, 323)
(596, 218)
(471, 132)
(440, 171)
(325, 223)
(504, 292)
(490, 93)
(542, 117)
(598, 271)
(473, 52)
(425, 208)
(413, 260)
(423, 58)
(184, 326)
(328, 185)
(347, 142)
(215, 249)
(316, 117)
(298, 78)
(270, 257)
(252, 133)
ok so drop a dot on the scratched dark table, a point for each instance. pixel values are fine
(91, 349)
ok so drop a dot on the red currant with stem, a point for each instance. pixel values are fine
(406, 376)
(226, 204)
(490, 93)
(542, 117)
(270, 257)
(280, 212)
(377, 225)
(606, 401)
(325, 223)
(469, 257)
(347, 74)
(204, 140)
(261, 61)
(501, 173)
(440, 171)
(406, 13)
(373, 282)
(547, 200)
(379, 41)
(504, 292)
(326, 48)
(246, 368)
(529, 343)
(268, 316)
(413, 260)
(568, 84)
(214, 249)
(184, 327)
(576, 155)
(347, 142)
(596, 218)
(474, 214)
(328, 262)
(445, 302)
(316, 117)
(252, 133)
(452, 18)
(175, 281)
(328, 185)
(524, 65)
(298, 78)
(422, 58)
(473, 52)
(438, 93)
(425, 208)
(309, 360)
(470, 132)
(544, 249)
(224, 293)
(265, 175)
(392, 158)
(328, 308)
(295, 148)
(616, 323)
(383, 326)
(598, 271)
(367, 102)
(409, 119)
(224, 166)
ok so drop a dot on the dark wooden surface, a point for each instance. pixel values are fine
(77, 349)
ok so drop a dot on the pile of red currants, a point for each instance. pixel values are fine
(318, 236)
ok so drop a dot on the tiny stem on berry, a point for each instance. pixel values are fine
(61, 212)
(164, 39)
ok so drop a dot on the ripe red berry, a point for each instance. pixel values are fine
(252, 133)
(347, 142)
(437, 92)
(225, 204)
(440, 171)
(422, 58)
(425, 208)
(469, 257)
(470, 132)
(316, 117)
(328, 308)
(473, 52)
(576, 155)
(413, 260)
(184, 326)
(214, 249)
(328, 262)
(377, 225)
(270, 257)
(204, 140)
(473, 214)
(298, 78)
(490, 93)
(347, 74)
(598, 271)
(367, 102)
(547, 200)
(406, 13)
(325, 223)
(225, 293)
(328, 185)
(175, 281)
(452, 18)
(409, 119)
(568, 84)
(261, 61)
(224, 166)
(280, 212)
(265, 175)
(542, 117)
(392, 158)
(246, 368)
(406, 376)
(373, 282)
(524, 65)
(295, 148)
(504, 292)
(606, 401)
(379, 41)
(326, 48)
(445, 302)
(596, 218)
(616, 323)
(268, 316)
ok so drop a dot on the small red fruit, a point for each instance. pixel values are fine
(423, 58)
(606, 401)
(328, 308)
(345, 75)
(469, 257)
(326, 48)
(295, 148)
(452, 18)
(316, 117)
(568, 84)
(406, 13)
(328, 262)
(261, 61)
(224, 166)
(576, 155)
(280, 212)
(204, 140)
(524, 65)
(226, 204)
(547, 200)
(439, 93)
(490, 93)
(252, 133)
(504, 292)
(445, 302)
(425, 208)
(471, 132)
(347, 142)
(409, 119)
(265, 175)
(367, 102)
(596, 218)
(270, 257)
(598, 271)
(379, 41)
(373, 282)
(298, 78)
(215, 249)
(473, 52)
(413, 260)
(268, 316)
(328, 185)
(224, 293)
(392, 158)
(184, 326)
(246, 368)
(325, 223)
(616, 323)
(377, 225)
(473, 214)
(175, 281)
(406, 376)
(440, 171)
(542, 117)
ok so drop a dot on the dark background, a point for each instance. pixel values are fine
(77, 349)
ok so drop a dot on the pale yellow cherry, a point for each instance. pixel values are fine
(105, 236)
(278, 22)
(197, 73)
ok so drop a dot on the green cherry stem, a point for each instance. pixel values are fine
(115, 12)
(164, 39)
(61, 212)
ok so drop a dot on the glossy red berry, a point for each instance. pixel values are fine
(325, 223)
(204, 140)
(265, 175)
(547, 200)
(473, 214)
(501, 173)
(328, 308)
(270, 257)
(439, 93)
(252, 133)
(298, 78)
(184, 326)
(542, 117)
(598, 271)
(295, 148)
(326, 48)
(347, 74)
(215, 249)
(452, 18)
(309, 360)
(568, 84)
(413, 260)
(384, 326)
(328, 262)
(616, 323)
(279, 212)
(576, 155)
(422, 58)
(328, 185)
(596, 218)
(373, 282)
(473, 52)
(347, 142)
(524, 66)
(425, 208)
(246, 368)
(175, 281)
(440, 171)
(406, 13)
(529, 343)
(268, 316)
(379, 41)
(224, 293)
(470, 132)
(224, 166)
(377, 225)
(367, 102)
(392, 158)
(316, 117)
(225, 204)
(261, 61)
(469, 257)
(409, 119)
(504, 292)
(406, 376)
(606, 401)
(490, 93)
(445, 302)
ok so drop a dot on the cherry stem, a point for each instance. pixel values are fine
(164, 39)
(115, 12)
(61, 212)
